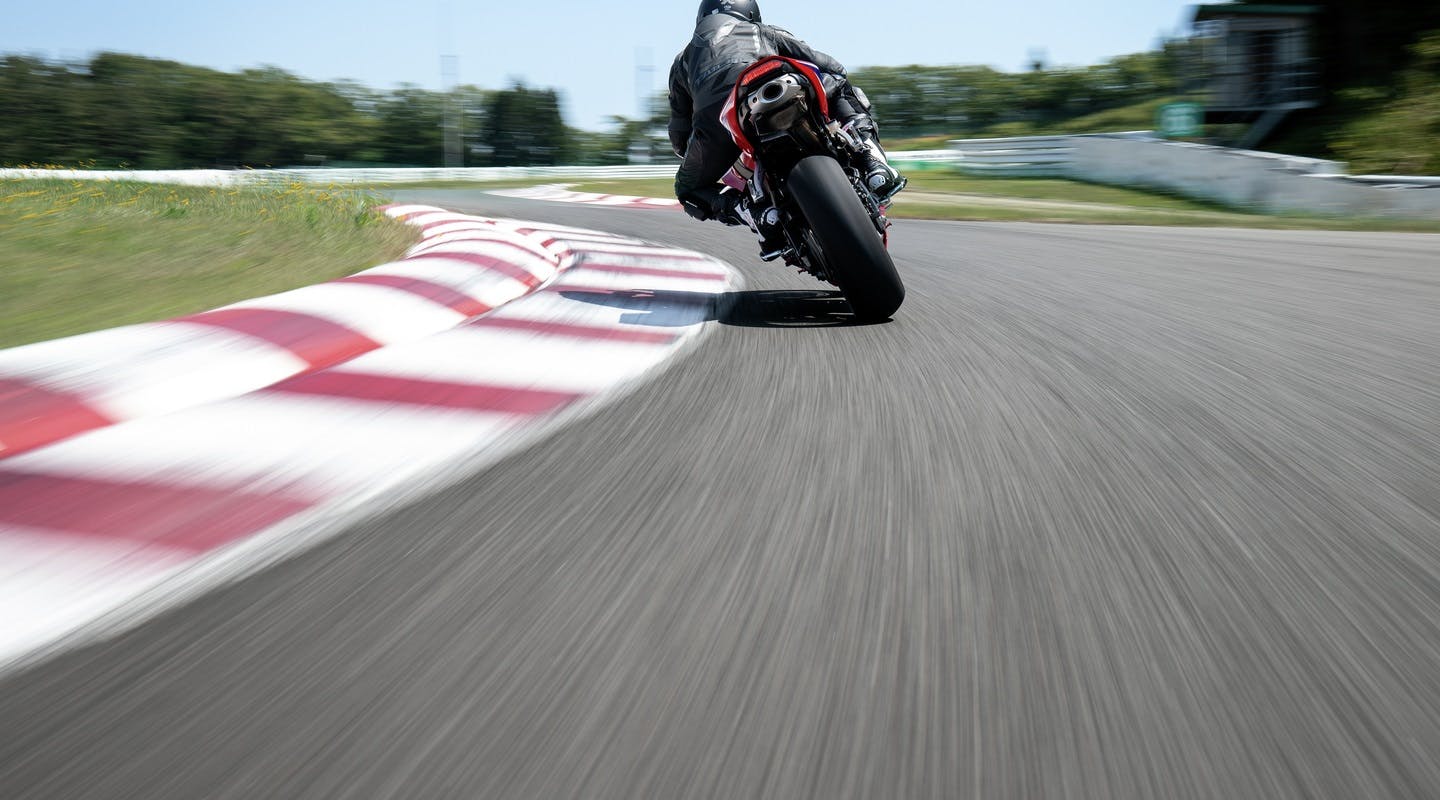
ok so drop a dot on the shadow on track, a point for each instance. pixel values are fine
(769, 308)
(789, 308)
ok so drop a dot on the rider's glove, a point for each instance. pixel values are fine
(704, 203)
(712, 203)
(696, 209)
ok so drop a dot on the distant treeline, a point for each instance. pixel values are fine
(959, 100)
(148, 113)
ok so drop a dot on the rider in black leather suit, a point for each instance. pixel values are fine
(729, 37)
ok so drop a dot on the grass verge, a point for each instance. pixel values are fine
(79, 256)
(951, 196)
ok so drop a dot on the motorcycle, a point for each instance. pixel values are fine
(801, 167)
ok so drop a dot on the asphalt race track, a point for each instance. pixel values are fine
(1104, 512)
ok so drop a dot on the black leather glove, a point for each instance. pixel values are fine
(711, 203)
(696, 209)
(703, 204)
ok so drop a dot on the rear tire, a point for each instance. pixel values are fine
(853, 251)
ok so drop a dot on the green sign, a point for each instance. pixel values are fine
(1180, 120)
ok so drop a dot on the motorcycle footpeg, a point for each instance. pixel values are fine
(774, 254)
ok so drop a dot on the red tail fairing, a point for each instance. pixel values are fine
(730, 115)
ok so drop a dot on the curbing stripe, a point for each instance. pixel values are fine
(392, 389)
(32, 415)
(318, 341)
(574, 331)
(506, 268)
(434, 292)
(188, 518)
(382, 314)
(558, 193)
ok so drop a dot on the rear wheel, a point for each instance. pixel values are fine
(852, 249)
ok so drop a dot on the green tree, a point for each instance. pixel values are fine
(410, 127)
(916, 100)
(124, 109)
(43, 118)
(523, 127)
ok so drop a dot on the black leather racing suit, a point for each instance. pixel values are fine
(701, 80)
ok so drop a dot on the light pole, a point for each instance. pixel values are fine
(450, 143)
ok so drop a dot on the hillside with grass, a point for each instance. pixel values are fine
(1385, 126)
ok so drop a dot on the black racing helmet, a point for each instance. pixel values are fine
(740, 9)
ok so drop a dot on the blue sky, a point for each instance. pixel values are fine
(588, 50)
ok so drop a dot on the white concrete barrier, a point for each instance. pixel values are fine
(1249, 179)
(1243, 178)
(1032, 156)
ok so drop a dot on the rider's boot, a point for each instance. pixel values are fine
(883, 180)
(738, 208)
(765, 219)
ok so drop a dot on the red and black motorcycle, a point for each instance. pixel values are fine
(801, 166)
